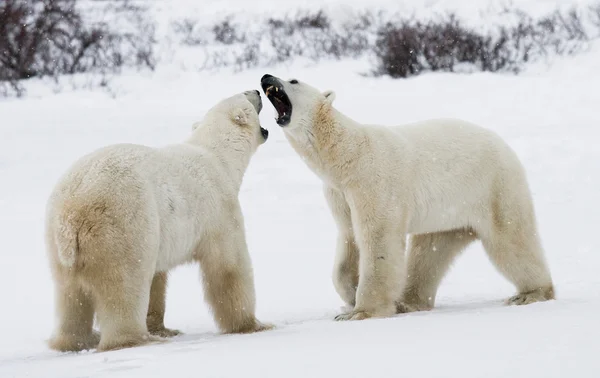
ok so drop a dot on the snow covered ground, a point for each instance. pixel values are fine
(548, 114)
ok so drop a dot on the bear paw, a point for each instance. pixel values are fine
(64, 343)
(538, 295)
(94, 338)
(259, 327)
(382, 311)
(164, 332)
(255, 326)
(129, 341)
(405, 307)
(353, 315)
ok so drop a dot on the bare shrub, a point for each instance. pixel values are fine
(594, 11)
(50, 37)
(11, 88)
(398, 49)
(572, 25)
(404, 47)
(187, 29)
(225, 32)
(408, 49)
(250, 57)
(304, 34)
(312, 21)
(338, 45)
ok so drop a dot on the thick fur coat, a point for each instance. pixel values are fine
(124, 215)
(442, 182)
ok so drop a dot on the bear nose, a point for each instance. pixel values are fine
(265, 77)
(265, 133)
(257, 92)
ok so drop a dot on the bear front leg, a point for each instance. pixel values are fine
(156, 309)
(345, 270)
(228, 279)
(381, 265)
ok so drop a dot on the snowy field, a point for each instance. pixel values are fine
(548, 114)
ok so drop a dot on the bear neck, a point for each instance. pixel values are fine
(330, 145)
(233, 158)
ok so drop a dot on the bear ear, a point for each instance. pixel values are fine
(329, 96)
(240, 117)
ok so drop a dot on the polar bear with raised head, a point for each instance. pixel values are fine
(443, 182)
(124, 215)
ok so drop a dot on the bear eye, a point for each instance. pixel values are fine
(294, 81)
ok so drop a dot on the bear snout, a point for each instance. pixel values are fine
(269, 80)
(265, 133)
(254, 97)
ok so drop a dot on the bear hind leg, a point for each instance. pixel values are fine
(429, 257)
(517, 253)
(122, 298)
(75, 311)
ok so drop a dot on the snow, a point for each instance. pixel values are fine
(548, 114)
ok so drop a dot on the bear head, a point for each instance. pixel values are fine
(295, 102)
(236, 119)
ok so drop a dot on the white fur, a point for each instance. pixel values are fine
(126, 213)
(444, 182)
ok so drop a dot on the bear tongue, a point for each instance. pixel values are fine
(279, 106)
(279, 115)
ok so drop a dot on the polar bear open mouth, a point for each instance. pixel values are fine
(275, 92)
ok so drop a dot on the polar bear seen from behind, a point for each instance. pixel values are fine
(444, 183)
(124, 215)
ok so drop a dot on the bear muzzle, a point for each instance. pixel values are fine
(275, 92)
(254, 97)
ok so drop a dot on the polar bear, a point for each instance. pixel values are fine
(124, 215)
(443, 183)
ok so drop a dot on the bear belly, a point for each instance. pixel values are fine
(443, 217)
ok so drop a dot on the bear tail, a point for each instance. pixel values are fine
(67, 241)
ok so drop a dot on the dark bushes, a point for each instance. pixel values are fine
(403, 47)
(438, 46)
(49, 38)
(279, 39)
(40, 38)
(446, 44)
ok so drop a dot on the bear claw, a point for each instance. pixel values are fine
(405, 307)
(354, 315)
(263, 327)
(538, 295)
(164, 332)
